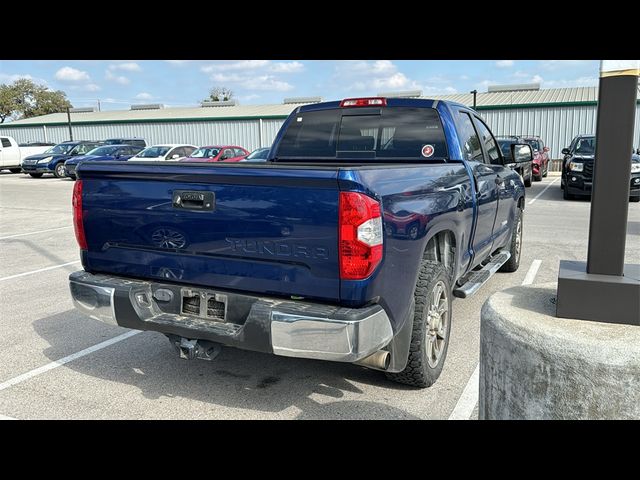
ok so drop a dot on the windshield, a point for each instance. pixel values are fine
(153, 152)
(259, 154)
(586, 146)
(61, 148)
(205, 153)
(102, 151)
(365, 133)
(534, 144)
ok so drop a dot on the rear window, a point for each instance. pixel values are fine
(365, 133)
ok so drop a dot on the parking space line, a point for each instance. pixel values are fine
(543, 190)
(469, 398)
(4, 417)
(67, 359)
(38, 271)
(33, 233)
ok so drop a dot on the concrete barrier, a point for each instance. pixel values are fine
(534, 365)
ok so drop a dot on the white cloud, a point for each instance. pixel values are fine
(560, 64)
(126, 66)
(144, 96)
(287, 67)
(464, 77)
(576, 82)
(504, 63)
(520, 74)
(239, 65)
(257, 82)
(537, 79)
(397, 80)
(367, 68)
(372, 77)
(247, 98)
(71, 75)
(177, 63)
(120, 79)
(91, 87)
(10, 78)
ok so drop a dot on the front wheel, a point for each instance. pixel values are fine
(59, 170)
(515, 245)
(527, 182)
(431, 327)
(15, 170)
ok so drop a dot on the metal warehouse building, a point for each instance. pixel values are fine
(556, 115)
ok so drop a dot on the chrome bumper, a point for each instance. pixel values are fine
(283, 327)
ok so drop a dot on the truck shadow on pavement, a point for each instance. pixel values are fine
(257, 383)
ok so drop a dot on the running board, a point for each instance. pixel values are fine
(479, 277)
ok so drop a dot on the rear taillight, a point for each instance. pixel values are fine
(78, 223)
(364, 102)
(360, 226)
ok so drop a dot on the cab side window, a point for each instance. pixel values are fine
(471, 149)
(490, 144)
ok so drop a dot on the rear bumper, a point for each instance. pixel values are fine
(283, 327)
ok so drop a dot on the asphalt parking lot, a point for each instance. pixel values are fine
(140, 377)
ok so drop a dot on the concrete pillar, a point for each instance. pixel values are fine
(534, 365)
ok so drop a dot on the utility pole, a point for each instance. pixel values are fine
(98, 104)
(475, 92)
(69, 123)
(605, 289)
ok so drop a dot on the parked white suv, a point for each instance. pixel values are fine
(11, 155)
(170, 151)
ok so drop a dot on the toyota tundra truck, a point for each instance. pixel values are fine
(308, 254)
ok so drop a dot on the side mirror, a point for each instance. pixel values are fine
(174, 156)
(521, 152)
(565, 151)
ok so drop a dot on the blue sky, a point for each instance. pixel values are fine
(119, 83)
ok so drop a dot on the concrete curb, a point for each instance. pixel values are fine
(534, 365)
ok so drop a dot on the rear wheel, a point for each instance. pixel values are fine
(15, 170)
(515, 245)
(36, 175)
(431, 327)
(59, 170)
(546, 170)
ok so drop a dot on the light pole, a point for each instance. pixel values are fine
(69, 123)
(605, 289)
(475, 92)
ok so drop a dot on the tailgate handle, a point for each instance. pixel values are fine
(189, 200)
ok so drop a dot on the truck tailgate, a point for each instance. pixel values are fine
(268, 229)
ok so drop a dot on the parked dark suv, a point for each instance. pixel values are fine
(524, 169)
(136, 142)
(577, 169)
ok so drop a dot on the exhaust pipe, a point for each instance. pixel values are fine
(378, 360)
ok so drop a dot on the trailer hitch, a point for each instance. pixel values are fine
(190, 349)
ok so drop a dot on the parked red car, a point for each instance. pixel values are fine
(217, 153)
(540, 157)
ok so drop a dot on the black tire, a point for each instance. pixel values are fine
(15, 170)
(515, 245)
(538, 178)
(58, 170)
(634, 199)
(419, 372)
(546, 171)
(36, 175)
(527, 181)
(566, 195)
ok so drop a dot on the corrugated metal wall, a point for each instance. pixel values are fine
(245, 133)
(557, 126)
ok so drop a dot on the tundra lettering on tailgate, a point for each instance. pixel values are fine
(277, 248)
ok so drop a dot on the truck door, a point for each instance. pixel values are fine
(485, 179)
(505, 188)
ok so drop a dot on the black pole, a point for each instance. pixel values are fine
(612, 174)
(475, 92)
(69, 123)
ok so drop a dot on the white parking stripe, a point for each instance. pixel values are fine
(469, 398)
(67, 359)
(543, 190)
(533, 271)
(33, 233)
(38, 271)
(4, 417)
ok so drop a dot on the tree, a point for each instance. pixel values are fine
(220, 94)
(25, 99)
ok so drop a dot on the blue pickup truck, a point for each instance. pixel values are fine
(348, 244)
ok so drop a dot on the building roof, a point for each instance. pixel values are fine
(549, 97)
